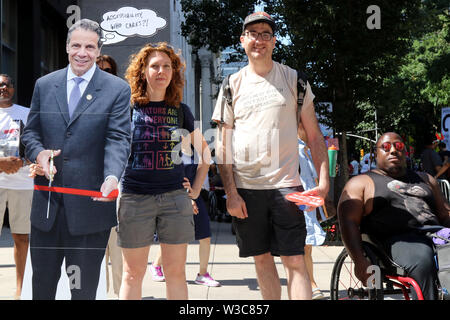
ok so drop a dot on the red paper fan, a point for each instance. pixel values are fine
(299, 199)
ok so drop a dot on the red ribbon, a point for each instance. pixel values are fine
(79, 192)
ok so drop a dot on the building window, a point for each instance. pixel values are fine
(8, 33)
(50, 47)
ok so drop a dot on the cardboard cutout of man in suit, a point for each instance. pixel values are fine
(82, 114)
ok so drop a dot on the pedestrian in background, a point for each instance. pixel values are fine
(16, 187)
(113, 252)
(315, 235)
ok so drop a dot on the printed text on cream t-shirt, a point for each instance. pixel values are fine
(263, 116)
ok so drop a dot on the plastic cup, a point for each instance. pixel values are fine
(332, 158)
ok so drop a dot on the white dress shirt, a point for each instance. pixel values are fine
(87, 76)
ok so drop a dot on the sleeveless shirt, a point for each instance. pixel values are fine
(399, 205)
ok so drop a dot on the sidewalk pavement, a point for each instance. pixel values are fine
(236, 275)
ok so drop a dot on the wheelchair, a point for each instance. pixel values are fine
(217, 205)
(395, 284)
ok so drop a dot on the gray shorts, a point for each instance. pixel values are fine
(170, 215)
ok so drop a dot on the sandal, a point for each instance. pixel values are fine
(317, 294)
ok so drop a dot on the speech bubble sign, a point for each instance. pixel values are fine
(112, 37)
(129, 22)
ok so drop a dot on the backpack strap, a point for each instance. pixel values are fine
(226, 95)
(302, 81)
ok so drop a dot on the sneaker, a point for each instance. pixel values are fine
(206, 280)
(157, 273)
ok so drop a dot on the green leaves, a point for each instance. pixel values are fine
(215, 25)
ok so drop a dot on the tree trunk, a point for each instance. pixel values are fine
(342, 176)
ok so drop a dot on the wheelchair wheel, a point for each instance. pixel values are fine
(346, 286)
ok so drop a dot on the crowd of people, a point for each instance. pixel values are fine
(78, 135)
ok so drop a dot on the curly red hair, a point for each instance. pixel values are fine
(135, 75)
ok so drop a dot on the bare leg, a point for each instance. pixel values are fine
(174, 263)
(203, 252)
(134, 268)
(268, 279)
(21, 243)
(309, 265)
(158, 260)
(299, 285)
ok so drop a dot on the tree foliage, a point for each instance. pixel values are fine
(415, 95)
(215, 25)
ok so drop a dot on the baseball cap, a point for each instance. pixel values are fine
(259, 16)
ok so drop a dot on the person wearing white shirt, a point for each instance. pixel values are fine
(16, 187)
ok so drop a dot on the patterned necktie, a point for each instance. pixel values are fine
(75, 96)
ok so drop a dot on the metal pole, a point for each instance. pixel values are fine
(356, 136)
(376, 125)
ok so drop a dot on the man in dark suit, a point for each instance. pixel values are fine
(81, 114)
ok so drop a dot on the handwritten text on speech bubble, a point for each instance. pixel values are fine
(129, 21)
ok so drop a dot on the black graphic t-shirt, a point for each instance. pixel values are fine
(150, 168)
(399, 205)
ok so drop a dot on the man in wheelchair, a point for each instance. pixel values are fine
(391, 203)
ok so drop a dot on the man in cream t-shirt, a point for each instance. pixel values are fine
(16, 188)
(257, 154)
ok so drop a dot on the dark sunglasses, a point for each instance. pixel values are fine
(386, 146)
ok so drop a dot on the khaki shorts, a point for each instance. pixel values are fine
(170, 215)
(19, 209)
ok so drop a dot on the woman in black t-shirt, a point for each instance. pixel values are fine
(154, 196)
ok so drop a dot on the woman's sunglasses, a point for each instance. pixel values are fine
(386, 146)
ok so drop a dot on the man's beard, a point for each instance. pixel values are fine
(396, 171)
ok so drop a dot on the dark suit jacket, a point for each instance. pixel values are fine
(94, 144)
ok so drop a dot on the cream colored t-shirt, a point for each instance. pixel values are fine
(264, 121)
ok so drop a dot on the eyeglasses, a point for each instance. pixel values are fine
(386, 146)
(5, 85)
(253, 35)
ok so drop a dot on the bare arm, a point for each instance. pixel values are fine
(318, 149)
(200, 145)
(235, 204)
(443, 169)
(350, 211)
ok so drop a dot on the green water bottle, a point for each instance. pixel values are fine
(332, 158)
